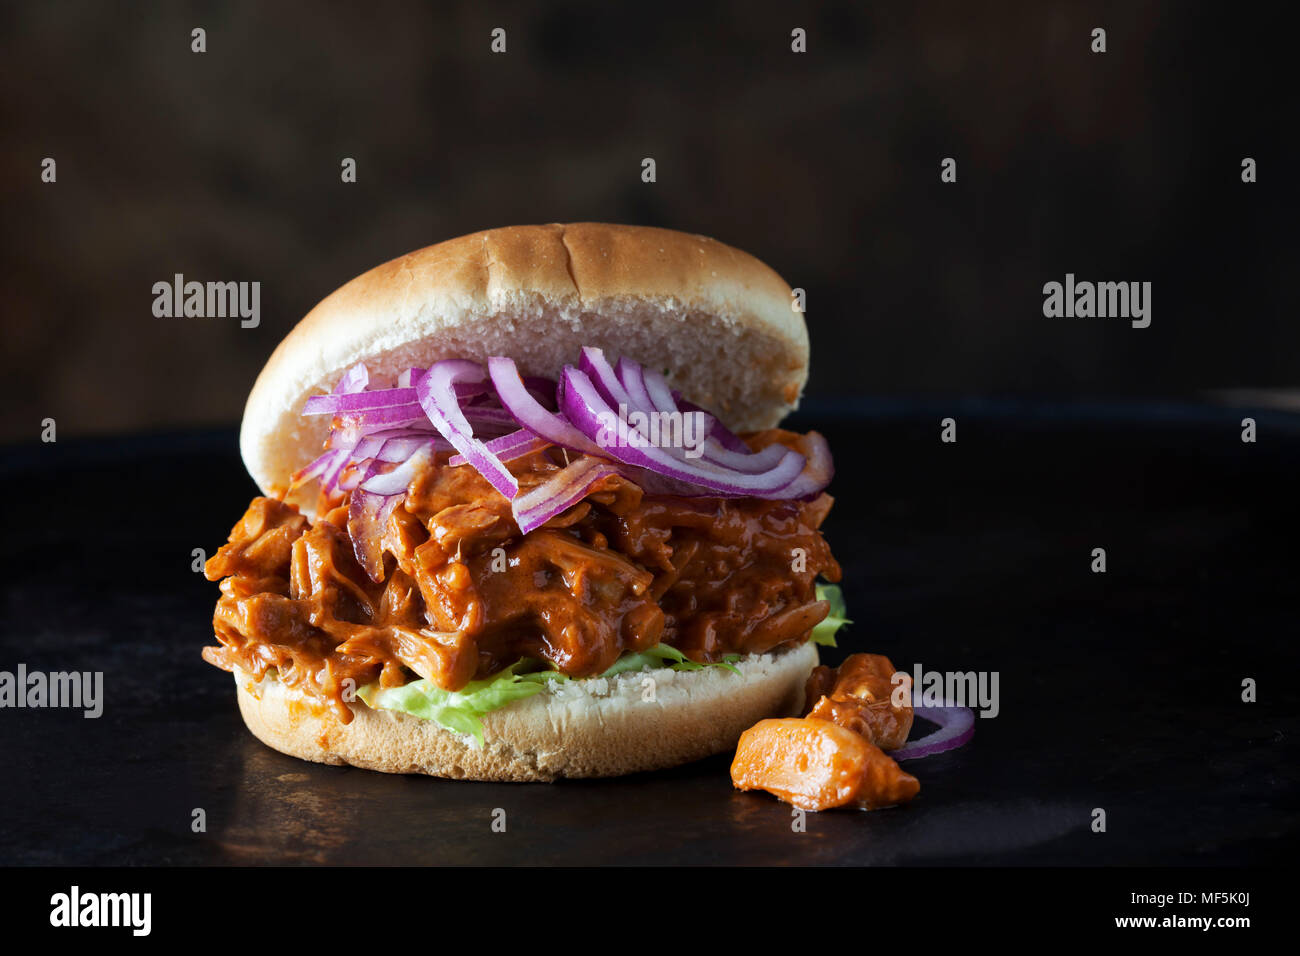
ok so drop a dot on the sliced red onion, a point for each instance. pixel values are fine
(456, 404)
(359, 401)
(397, 450)
(395, 482)
(593, 364)
(585, 407)
(665, 399)
(956, 728)
(627, 387)
(411, 377)
(529, 412)
(717, 431)
(658, 390)
(473, 391)
(325, 469)
(508, 447)
(354, 379)
(339, 460)
(633, 378)
(542, 389)
(437, 395)
(720, 446)
(368, 447)
(558, 493)
(818, 473)
(389, 416)
(464, 390)
(353, 474)
(356, 428)
(350, 439)
(420, 431)
(316, 468)
(478, 415)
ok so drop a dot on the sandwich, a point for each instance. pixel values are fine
(526, 512)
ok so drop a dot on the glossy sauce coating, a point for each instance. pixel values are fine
(861, 695)
(463, 594)
(834, 755)
(814, 764)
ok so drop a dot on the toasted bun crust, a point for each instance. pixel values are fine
(720, 321)
(591, 728)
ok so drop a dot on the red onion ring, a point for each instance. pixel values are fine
(558, 493)
(395, 482)
(498, 417)
(633, 378)
(437, 395)
(956, 728)
(396, 449)
(354, 379)
(359, 401)
(818, 473)
(382, 437)
(516, 399)
(720, 446)
(508, 447)
(665, 400)
(583, 404)
(327, 467)
(387, 416)
(542, 389)
(592, 363)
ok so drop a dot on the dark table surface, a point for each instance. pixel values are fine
(1119, 691)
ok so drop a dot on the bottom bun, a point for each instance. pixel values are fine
(599, 727)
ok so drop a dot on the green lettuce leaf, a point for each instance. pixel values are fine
(460, 710)
(824, 633)
(661, 655)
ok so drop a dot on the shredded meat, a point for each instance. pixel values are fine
(859, 695)
(816, 764)
(462, 594)
(834, 755)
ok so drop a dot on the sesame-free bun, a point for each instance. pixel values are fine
(599, 727)
(719, 321)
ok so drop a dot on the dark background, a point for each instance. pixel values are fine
(225, 166)
(1120, 691)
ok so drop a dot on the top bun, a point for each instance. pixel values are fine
(719, 322)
